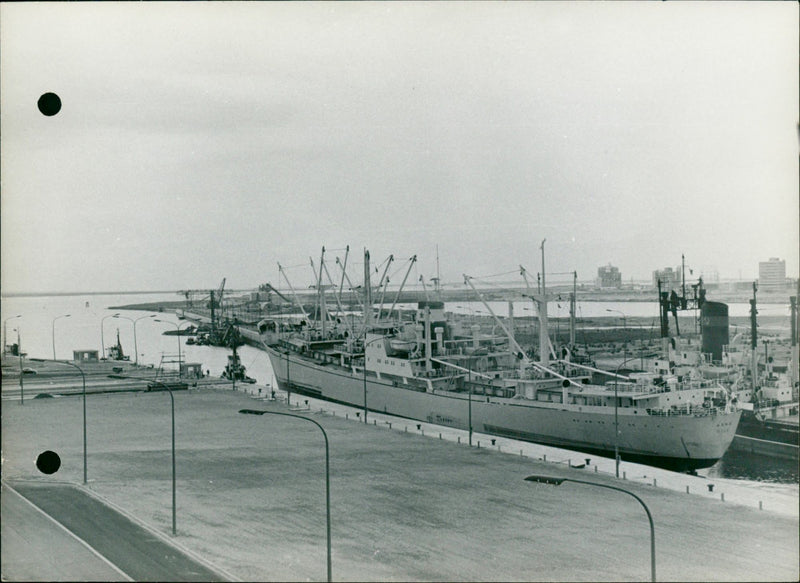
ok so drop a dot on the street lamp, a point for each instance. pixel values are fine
(172, 401)
(178, 329)
(558, 481)
(624, 330)
(102, 335)
(135, 345)
(21, 370)
(327, 472)
(469, 397)
(54, 332)
(5, 340)
(616, 418)
(83, 381)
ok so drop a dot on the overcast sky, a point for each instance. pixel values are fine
(206, 140)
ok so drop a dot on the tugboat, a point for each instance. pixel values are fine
(234, 370)
(115, 351)
(769, 424)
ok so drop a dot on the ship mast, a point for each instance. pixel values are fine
(544, 337)
(367, 292)
(438, 280)
(424, 288)
(384, 283)
(294, 294)
(754, 339)
(323, 312)
(519, 352)
(402, 285)
(347, 277)
(338, 299)
(795, 352)
(341, 282)
(572, 300)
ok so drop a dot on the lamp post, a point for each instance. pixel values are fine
(54, 332)
(327, 473)
(616, 417)
(5, 340)
(178, 329)
(102, 333)
(135, 344)
(624, 330)
(83, 382)
(558, 481)
(288, 382)
(469, 398)
(21, 373)
(172, 402)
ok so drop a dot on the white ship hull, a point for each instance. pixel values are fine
(682, 442)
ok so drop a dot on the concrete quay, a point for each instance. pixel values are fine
(405, 504)
(46, 377)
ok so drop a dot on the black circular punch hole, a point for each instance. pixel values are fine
(49, 104)
(48, 462)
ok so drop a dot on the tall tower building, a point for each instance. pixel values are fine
(772, 274)
(609, 276)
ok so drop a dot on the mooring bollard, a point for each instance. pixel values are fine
(479, 445)
(722, 496)
(595, 469)
(347, 416)
(544, 457)
(493, 441)
(440, 435)
(624, 475)
(711, 487)
(760, 507)
(687, 489)
(458, 437)
(655, 485)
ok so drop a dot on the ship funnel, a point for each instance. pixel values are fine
(714, 320)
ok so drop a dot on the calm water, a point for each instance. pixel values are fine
(44, 327)
(748, 466)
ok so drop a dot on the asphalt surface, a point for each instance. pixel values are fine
(136, 552)
(36, 548)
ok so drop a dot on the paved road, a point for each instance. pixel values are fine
(36, 548)
(136, 552)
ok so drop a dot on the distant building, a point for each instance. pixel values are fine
(85, 356)
(772, 274)
(668, 277)
(609, 276)
(710, 274)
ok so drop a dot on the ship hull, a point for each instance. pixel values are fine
(680, 442)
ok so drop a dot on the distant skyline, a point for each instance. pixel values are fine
(198, 141)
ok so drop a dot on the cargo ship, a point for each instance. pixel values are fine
(768, 397)
(427, 367)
